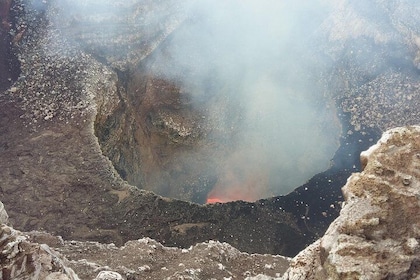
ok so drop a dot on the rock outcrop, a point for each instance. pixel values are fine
(39, 255)
(22, 259)
(377, 234)
(147, 259)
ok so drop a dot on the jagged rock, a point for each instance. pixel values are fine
(21, 259)
(108, 275)
(377, 233)
(147, 259)
(122, 41)
(39, 254)
(376, 236)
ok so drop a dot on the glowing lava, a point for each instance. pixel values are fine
(243, 178)
(211, 200)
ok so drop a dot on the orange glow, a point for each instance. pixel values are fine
(242, 178)
(228, 198)
(211, 200)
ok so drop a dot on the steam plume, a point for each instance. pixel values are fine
(257, 55)
(255, 58)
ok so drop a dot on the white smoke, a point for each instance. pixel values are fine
(255, 55)
(258, 54)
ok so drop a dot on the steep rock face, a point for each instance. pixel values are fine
(377, 233)
(371, 51)
(114, 31)
(375, 237)
(9, 66)
(160, 137)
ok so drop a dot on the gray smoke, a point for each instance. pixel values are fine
(257, 57)
(257, 54)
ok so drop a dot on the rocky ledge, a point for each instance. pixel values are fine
(38, 255)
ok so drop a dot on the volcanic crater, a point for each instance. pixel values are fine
(117, 106)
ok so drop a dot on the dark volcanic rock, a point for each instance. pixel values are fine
(375, 236)
(55, 164)
(171, 136)
(39, 255)
(148, 259)
(374, 50)
(90, 202)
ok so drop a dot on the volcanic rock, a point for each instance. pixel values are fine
(39, 255)
(22, 259)
(4, 218)
(53, 161)
(376, 236)
(67, 135)
(147, 259)
(373, 49)
(377, 233)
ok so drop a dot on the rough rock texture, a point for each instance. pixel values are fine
(55, 163)
(4, 217)
(121, 41)
(376, 236)
(148, 259)
(374, 49)
(377, 233)
(9, 66)
(39, 255)
(52, 160)
(22, 259)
